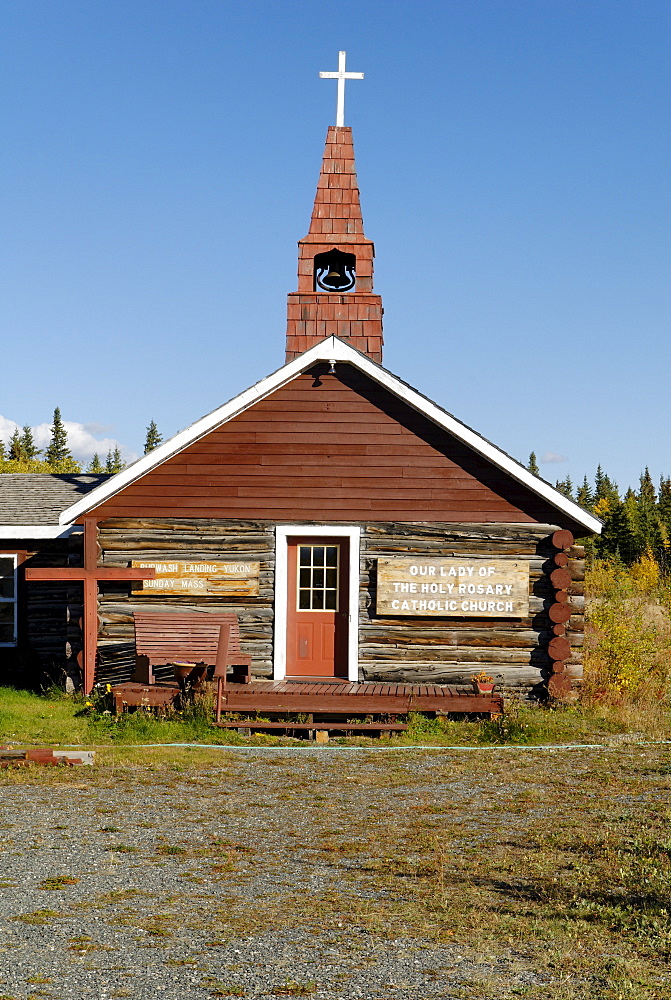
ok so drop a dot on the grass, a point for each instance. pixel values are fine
(58, 719)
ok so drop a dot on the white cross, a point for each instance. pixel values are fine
(341, 76)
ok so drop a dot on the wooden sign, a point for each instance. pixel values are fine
(200, 578)
(470, 588)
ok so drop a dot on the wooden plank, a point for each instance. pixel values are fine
(363, 704)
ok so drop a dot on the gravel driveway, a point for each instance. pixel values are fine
(258, 875)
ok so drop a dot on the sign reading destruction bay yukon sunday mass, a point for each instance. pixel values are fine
(198, 577)
(472, 588)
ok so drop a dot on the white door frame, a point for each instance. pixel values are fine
(282, 533)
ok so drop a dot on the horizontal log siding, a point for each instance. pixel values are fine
(122, 540)
(409, 650)
(430, 650)
(330, 448)
(49, 634)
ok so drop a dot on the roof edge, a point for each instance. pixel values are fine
(36, 530)
(331, 349)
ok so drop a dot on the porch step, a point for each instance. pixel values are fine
(358, 727)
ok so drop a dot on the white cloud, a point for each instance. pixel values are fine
(551, 457)
(82, 439)
(7, 428)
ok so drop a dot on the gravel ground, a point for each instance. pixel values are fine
(248, 878)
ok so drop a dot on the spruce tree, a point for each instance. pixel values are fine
(649, 531)
(565, 486)
(532, 465)
(30, 449)
(95, 465)
(16, 452)
(585, 497)
(616, 540)
(114, 461)
(153, 438)
(57, 451)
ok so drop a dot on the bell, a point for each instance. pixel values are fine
(335, 278)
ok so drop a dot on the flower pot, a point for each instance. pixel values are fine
(482, 687)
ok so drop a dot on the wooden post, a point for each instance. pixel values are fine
(221, 664)
(89, 574)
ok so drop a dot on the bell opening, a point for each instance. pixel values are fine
(335, 271)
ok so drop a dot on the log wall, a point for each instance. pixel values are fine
(514, 652)
(48, 627)
(390, 649)
(124, 539)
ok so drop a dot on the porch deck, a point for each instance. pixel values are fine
(351, 699)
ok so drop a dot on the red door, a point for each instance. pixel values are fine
(317, 611)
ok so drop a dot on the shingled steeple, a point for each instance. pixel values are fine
(335, 263)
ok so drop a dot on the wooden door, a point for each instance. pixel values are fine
(317, 609)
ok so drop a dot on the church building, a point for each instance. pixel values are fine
(358, 530)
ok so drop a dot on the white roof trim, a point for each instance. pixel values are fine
(36, 531)
(331, 349)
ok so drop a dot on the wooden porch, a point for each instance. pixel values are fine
(352, 707)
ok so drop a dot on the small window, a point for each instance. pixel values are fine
(8, 600)
(318, 577)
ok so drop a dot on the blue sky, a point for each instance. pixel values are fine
(160, 162)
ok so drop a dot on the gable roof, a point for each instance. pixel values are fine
(331, 350)
(30, 503)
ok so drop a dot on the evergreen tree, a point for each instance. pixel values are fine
(114, 461)
(649, 531)
(153, 438)
(533, 464)
(57, 451)
(664, 501)
(95, 465)
(617, 538)
(599, 478)
(565, 486)
(30, 449)
(585, 497)
(604, 487)
(16, 452)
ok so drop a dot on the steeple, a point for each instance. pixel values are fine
(335, 263)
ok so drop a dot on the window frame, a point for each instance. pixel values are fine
(20, 556)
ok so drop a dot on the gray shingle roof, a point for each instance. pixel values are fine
(38, 498)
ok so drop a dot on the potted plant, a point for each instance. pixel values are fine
(482, 683)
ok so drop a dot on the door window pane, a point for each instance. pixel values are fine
(318, 577)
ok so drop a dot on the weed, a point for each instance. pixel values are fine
(293, 989)
(37, 917)
(508, 728)
(58, 882)
(83, 944)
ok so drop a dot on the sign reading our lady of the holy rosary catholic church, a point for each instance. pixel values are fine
(202, 578)
(492, 588)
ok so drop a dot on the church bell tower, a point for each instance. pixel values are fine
(335, 262)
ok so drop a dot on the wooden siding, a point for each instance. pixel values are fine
(410, 650)
(450, 650)
(330, 448)
(122, 540)
(49, 636)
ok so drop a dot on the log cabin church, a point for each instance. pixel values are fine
(358, 530)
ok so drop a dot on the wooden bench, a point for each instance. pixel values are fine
(190, 639)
